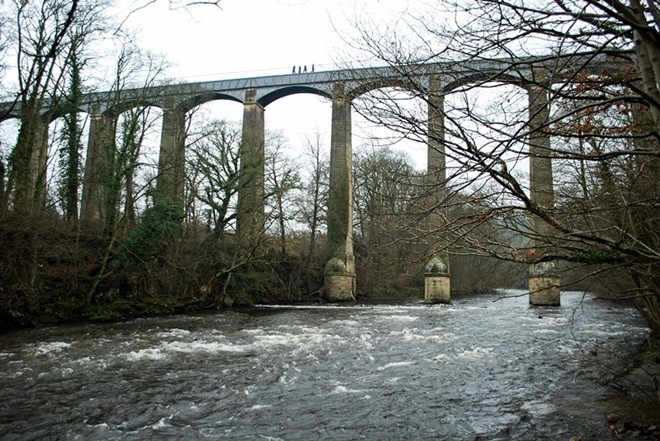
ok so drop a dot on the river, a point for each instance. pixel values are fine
(477, 369)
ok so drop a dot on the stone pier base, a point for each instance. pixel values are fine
(339, 287)
(544, 291)
(437, 289)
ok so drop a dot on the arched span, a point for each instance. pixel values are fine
(7, 116)
(286, 91)
(48, 116)
(117, 109)
(483, 78)
(381, 83)
(59, 113)
(204, 98)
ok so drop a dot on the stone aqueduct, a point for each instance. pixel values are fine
(341, 87)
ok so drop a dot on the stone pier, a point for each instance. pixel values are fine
(100, 151)
(339, 282)
(437, 283)
(544, 285)
(437, 280)
(543, 279)
(40, 162)
(172, 156)
(250, 215)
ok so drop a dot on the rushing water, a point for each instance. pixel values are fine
(475, 369)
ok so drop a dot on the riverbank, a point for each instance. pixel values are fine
(633, 408)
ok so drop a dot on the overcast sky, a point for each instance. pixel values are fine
(255, 37)
(245, 38)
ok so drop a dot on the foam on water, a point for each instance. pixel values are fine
(344, 390)
(298, 342)
(145, 354)
(310, 307)
(201, 346)
(447, 338)
(442, 358)
(416, 335)
(261, 341)
(396, 365)
(474, 369)
(95, 362)
(475, 354)
(565, 350)
(538, 407)
(174, 333)
(546, 331)
(400, 318)
(346, 323)
(47, 348)
(162, 423)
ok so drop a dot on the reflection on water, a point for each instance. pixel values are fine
(475, 369)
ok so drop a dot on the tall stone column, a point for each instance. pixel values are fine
(437, 284)
(172, 155)
(543, 278)
(29, 158)
(40, 162)
(251, 206)
(339, 283)
(100, 151)
(29, 161)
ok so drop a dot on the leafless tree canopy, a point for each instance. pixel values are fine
(592, 91)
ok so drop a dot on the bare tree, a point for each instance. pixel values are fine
(214, 171)
(573, 82)
(314, 195)
(136, 72)
(47, 36)
(78, 55)
(385, 188)
(42, 31)
(5, 43)
(281, 179)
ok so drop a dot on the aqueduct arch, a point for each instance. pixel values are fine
(341, 87)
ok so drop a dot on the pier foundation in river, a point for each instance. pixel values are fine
(544, 285)
(544, 291)
(437, 283)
